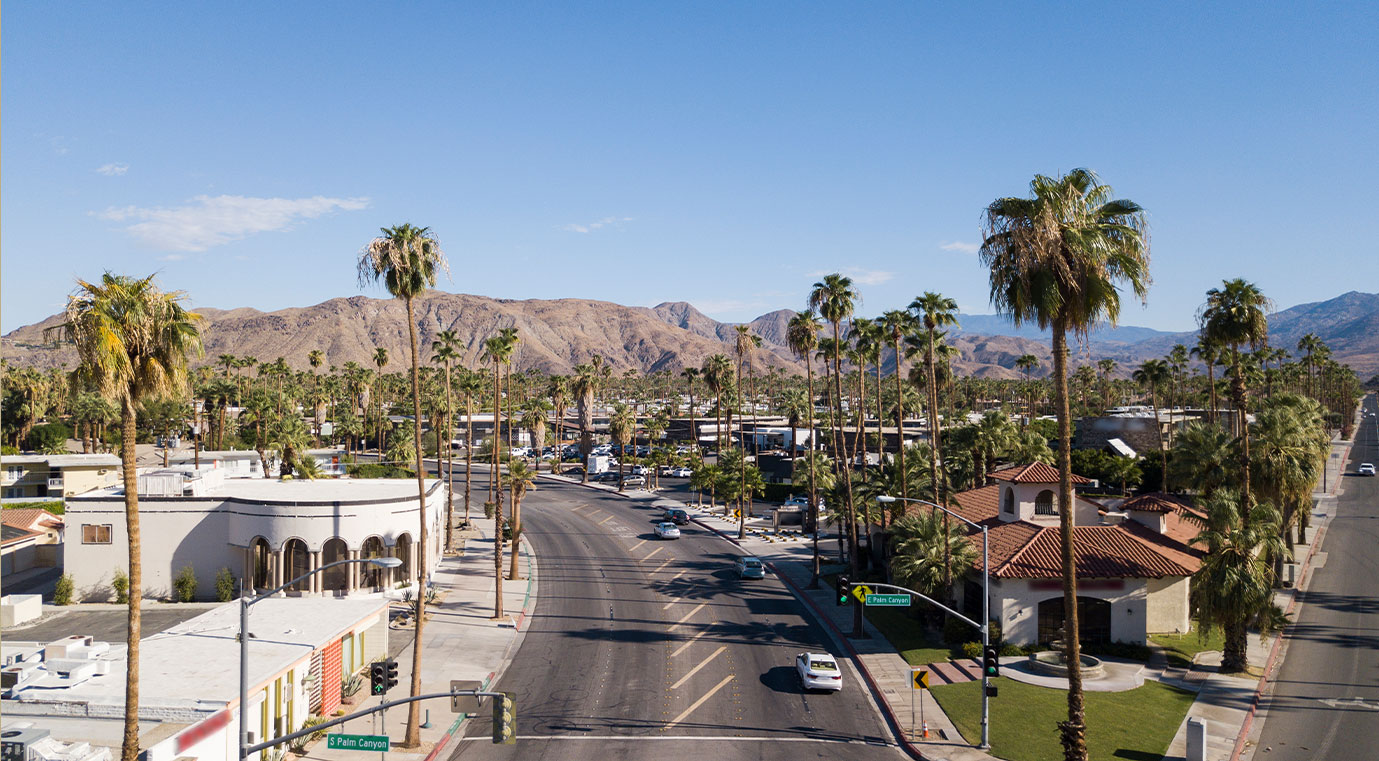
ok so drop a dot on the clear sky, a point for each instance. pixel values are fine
(721, 154)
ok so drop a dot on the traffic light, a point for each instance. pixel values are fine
(991, 662)
(504, 720)
(378, 678)
(392, 674)
(844, 591)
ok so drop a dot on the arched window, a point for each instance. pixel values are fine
(403, 550)
(1008, 502)
(260, 569)
(371, 576)
(336, 579)
(1043, 504)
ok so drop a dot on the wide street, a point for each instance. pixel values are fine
(640, 648)
(1325, 701)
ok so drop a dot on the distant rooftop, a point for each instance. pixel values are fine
(65, 460)
(296, 491)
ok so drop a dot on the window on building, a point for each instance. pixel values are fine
(14, 472)
(1043, 504)
(95, 533)
(1008, 503)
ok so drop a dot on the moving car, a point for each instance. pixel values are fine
(667, 530)
(1366, 469)
(818, 671)
(749, 567)
(677, 516)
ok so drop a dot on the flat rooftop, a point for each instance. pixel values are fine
(298, 491)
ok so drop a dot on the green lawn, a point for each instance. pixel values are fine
(1180, 648)
(1135, 724)
(909, 638)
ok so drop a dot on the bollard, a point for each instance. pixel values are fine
(1196, 739)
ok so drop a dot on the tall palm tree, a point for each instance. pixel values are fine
(559, 391)
(584, 386)
(1208, 352)
(935, 311)
(446, 350)
(899, 324)
(917, 541)
(1153, 373)
(691, 374)
(1027, 364)
(1233, 588)
(1233, 316)
(132, 341)
(745, 342)
(1202, 455)
(835, 299)
(621, 424)
(802, 336)
(1056, 259)
(407, 259)
(1292, 449)
(1311, 347)
(380, 359)
(718, 375)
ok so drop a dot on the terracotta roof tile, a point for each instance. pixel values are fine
(1157, 502)
(1034, 473)
(1099, 552)
(29, 518)
(1180, 552)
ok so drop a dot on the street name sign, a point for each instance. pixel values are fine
(888, 601)
(357, 742)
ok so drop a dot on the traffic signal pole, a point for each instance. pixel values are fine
(986, 640)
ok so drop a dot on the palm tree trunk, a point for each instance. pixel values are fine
(900, 421)
(129, 747)
(1073, 731)
(468, 449)
(1163, 453)
(855, 562)
(1211, 389)
(1233, 658)
(813, 490)
(940, 494)
(449, 462)
(1243, 425)
(413, 736)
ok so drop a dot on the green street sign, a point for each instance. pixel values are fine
(888, 601)
(357, 742)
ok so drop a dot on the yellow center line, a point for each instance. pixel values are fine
(605, 520)
(577, 508)
(672, 602)
(701, 665)
(688, 642)
(676, 576)
(662, 566)
(699, 702)
(653, 552)
(638, 544)
(685, 617)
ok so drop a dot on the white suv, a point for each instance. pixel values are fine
(1366, 469)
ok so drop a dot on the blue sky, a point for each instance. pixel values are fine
(721, 154)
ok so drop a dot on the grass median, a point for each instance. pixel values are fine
(1024, 719)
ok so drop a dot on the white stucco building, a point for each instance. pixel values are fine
(1133, 567)
(266, 532)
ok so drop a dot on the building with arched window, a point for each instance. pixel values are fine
(264, 532)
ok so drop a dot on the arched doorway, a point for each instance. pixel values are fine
(335, 579)
(370, 575)
(260, 555)
(296, 562)
(1093, 619)
(402, 549)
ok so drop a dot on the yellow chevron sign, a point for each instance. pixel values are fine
(921, 679)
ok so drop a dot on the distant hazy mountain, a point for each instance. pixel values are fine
(999, 325)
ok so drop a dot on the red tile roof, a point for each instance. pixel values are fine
(1034, 473)
(1156, 502)
(1098, 552)
(30, 518)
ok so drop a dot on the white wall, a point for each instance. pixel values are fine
(1169, 610)
(1018, 601)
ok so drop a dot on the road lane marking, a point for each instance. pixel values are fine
(676, 576)
(686, 617)
(662, 566)
(605, 520)
(672, 602)
(701, 665)
(688, 642)
(696, 738)
(635, 546)
(653, 552)
(699, 702)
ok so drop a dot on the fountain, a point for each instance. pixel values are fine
(1055, 662)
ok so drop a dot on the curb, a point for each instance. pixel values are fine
(892, 721)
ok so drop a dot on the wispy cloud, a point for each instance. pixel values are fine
(212, 221)
(859, 276)
(961, 246)
(592, 226)
(172, 258)
(112, 170)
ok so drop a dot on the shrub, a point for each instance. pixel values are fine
(120, 583)
(184, 584)
(955, 631)
(56, 508)
(224, 585)
(299, 744)
(62, 593)
(375, 470)
(351, 687)
(489, 508)
(972, 650)
(48, 437)
(1010, 649)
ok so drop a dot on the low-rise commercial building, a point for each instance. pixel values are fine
(60, 475)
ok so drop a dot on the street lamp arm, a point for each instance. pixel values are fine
(886, 499)
(380, 562)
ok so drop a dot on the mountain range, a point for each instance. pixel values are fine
(560, 333)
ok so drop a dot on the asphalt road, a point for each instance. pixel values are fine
(644, 648)
(1325, 702)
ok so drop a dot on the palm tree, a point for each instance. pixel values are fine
(1292, 449)
(559, 391)
(917, 542)
(802, 335)
(1312, 347)
(1233, 588)
(1056, 259)
(132, 341)
(519, 479)
(1154, 373)
(834, 298)
(1234, 315)
(934, 311)
(899, 325)
(746, 341)
(494, 350)
(1027, 363)
(691, 374)
(585, 384)
(621, 424)
(718, 374)
(406, 259)
(380, 358)
(1202, 455)
(1208, 352)
(471, 384)
(446, 350)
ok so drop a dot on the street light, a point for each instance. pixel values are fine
(986, 600)
(244, 603)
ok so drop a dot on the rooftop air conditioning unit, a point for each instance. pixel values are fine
(17, 744)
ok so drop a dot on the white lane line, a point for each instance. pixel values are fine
(701, 665)
(653, 552)
(697, 738)
(688, 642)
(638, 544)
(699, 702)
(686, 617)
(662, 566)
(672, 602)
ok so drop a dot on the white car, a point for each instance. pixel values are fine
(818, 671)
(681, 472)
(667, 530)
(801, 503)
(1366, 469)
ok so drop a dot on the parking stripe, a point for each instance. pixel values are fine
(701, 665)
(699, 702)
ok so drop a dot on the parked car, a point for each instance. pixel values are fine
(1366, 469)
(607, 475)
(639, 470)
(677, 516)
(801, 502)
(667, 530)
(749, 567)
(681, 472)
(634, 481)
(818, 671)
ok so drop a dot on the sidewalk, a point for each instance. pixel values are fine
(460, 641)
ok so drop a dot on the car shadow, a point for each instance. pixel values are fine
(782, 679)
